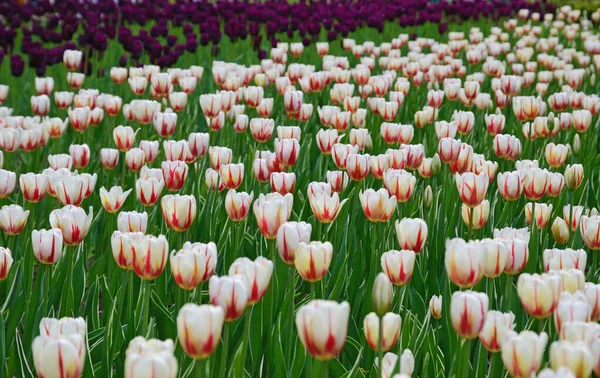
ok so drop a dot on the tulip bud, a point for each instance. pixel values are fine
(435, 306)
(199, 329)
(231, 293)
(381, 297)
(522, 353)
(47, 245)
(560, 231)
(574, 176)
(576, 144)
(391, 324)
(150, 358)
(427, 197)
(194, 263)
(468, 311)
(436, 165)
(323, 340)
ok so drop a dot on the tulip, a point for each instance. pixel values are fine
(357, 166)
(218, 156)
(164, 123)
(132, 221)
(178, 211)
(399, 183)
(471, 187)
(391, 330)
(80, 118)
(572, 280)
(574, 355)
(398, 265)
(231, 175)
(134, 159)
(262, 129)
(522, 353)
(211, 104)
(326, 139)
(449, 149)
(289, 236)
(149, 255)
(495, 328)
(571, 307)
(283, 182)
(556, 154)
(237, 205)
(6, 261)
(124, 137)
(258, 276)
(518, 255)
(322, 327)
(542, 214)
(176, 150)
(199, 329)
(63, 327)
(271, 211)
(174, 173)
(479, 217)
(59, 356)
(378, 206)
(113, 200)
(122, 247)
(435, 306)
(559, 259)
(468, 310)
(411, 233)
(574, 176)
(510, 185)
(340, 153)
(381, 296)
(8, 181)
(13, 219)
(495, 123)
(47, 245)
(507, 146)
(360, 138)
(496, 254)
(73, 222)
(325, 206)
(539, 294)
(578, 331)
(312, 260)
(213, 180)
(231, 293)
(150, 358)
(80, 153)
(33, 186)
(464, 262)
(582, 120)
(556, 183)
(109, 157)
(193, 264)
(287, 151)
(338, 180)
(148, 190)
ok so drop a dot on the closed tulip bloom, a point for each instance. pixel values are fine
(535, 182)
(59, 355)
(543, 212)
(562, 259)
(468, 310)
(109, 157)
(556, 154)
(435, 306)
(283, 182)
(480, 215)
(213, 180)
(326, 139)
(572, 280)
(6, 261)
(518, 255)
(60, 161)
(89, 183)
(13, 219)
(134, 159)
(399, 183)
(495, 328)
(289, 236)
(495, 257)
(338, 180)
(574, 176)
(258, 276)
(378, 206)
(449, 149)
(174, 173)
(70, 190)
(218, 156)
(287, 151)
(579, 331)
(262, 129)
(150, 149)
(124, 137)
(340, 153)
(73, 222)
(148, 190)
(8, 181)
(391, 330)
(176, 149)
(592, 294)
(464, 262)
(573, 215)
(357, 166)
(122, 247)
(445, 129)
(507, 146)
(198, 144)
(63, 99)
(231, 293)
(495, 123)
(199, 329)
(315, 187)
(576, 356)
(465, 161)
(80, 118)
(164, 123)
(398, 266)
(113, 200)
(271, 211)
(411, 233)
(40, 105)
(179, 212)
(312, 260)
(193, 264)
(379, 164)
(522, 353)
(150, 359)
(381, 296)
(132, 221)
(33, 186)
(80, 153)
(572, 307)
(560, 231)
(510, 185)
(539, 294)
(265, 107)
(325, 207)
(322, 327)
(582, 119)
(556, 183)
(471, 187)
(237, 205)
(149, 256)
(231, 175)
(47, 245)
(210, 104)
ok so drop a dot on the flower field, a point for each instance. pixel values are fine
(276, 189)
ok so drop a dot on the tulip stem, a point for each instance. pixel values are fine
(292, 290)
(224, 349)
(199, 293)
(146, 307)
(246, 338)
(533, 255)
(380, 348)
(199, 368)
(470, 232)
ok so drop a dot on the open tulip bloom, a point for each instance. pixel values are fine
(299, 189)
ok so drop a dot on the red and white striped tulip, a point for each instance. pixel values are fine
(73, 222)
(391, 330)
(322, 327)
(468, 311)
(47, 245)
(312, 260)
(231, 293)
(523, 353)
(495, 329)
(411, 233)
(178, 211)
(193, 264)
